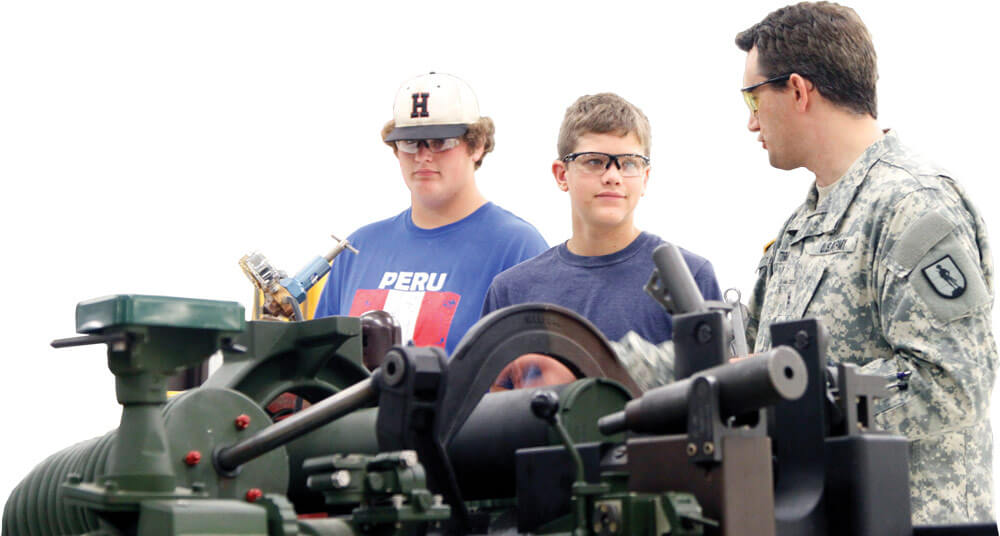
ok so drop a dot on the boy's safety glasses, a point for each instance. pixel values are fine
(594, 163)
(435, 146)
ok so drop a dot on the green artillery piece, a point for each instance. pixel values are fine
(211, 461)
(417, 446)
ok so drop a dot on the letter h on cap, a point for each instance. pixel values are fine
(420, 105)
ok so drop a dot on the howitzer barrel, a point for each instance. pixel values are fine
(327, 410)
(744, 386)
(677, 279)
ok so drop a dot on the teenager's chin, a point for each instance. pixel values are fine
(433, 202)
(427, 190)
(608, 219)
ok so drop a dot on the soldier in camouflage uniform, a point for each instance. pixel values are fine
(887, 251)
(866, 261)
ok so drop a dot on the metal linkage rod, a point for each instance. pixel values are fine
(228, 459)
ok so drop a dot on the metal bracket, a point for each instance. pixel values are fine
(705, 427)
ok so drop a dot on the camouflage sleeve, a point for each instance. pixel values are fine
(933, 308)
(756, 301)
(650, 365)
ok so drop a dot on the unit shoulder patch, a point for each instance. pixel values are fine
(949, 281)
(945, 277)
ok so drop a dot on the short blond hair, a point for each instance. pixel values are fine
(603, 113)
(480, 134)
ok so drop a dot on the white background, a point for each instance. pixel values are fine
(145, 147)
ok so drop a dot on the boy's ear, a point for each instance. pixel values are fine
(477, 155)
(645, 181)
(559, 172)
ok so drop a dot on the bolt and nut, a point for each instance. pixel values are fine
(242, 422)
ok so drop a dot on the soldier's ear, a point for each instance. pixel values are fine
(802, 90)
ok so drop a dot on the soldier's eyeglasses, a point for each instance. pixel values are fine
(751, 99)
(594, 163)
(435, 146)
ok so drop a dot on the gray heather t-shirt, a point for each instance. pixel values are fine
(606, 289)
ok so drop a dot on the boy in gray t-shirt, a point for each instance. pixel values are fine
(603, 164)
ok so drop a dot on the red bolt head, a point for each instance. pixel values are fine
(253, 494)
(192, 458)
(242, 422)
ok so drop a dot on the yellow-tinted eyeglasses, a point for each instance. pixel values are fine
(751, 99)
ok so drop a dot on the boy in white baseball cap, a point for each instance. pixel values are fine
(430, 265)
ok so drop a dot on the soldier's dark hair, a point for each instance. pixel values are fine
(826, 43)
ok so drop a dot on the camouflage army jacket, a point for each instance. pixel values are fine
(895, 262)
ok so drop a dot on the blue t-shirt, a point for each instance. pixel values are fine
(606, 289)
(431, 280)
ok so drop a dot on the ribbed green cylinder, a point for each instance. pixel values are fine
(35, 507)
(198, 419)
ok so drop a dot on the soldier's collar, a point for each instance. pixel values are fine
(846, 188)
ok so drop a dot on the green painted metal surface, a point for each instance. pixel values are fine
(200, 420)
(583, 402)
(202, 518)
(121, 310)
(313, 359)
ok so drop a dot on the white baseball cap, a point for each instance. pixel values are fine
(433, 106)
